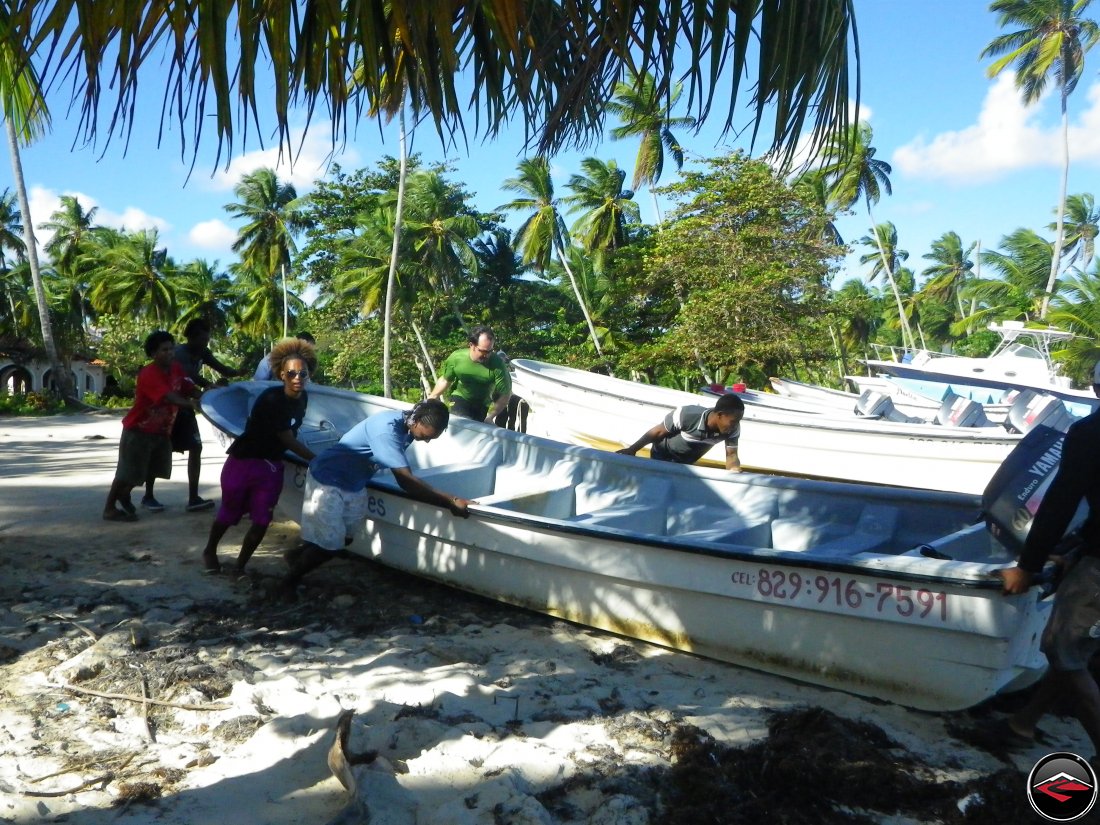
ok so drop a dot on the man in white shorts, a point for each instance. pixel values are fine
(335, 498)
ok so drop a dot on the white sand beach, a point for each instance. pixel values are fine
(221, 705)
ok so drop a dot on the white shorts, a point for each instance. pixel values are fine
(331, 516)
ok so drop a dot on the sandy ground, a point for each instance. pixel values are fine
(464, 711)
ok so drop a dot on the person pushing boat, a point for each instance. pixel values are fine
(687, 433)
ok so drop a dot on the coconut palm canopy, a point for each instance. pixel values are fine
(552, 63)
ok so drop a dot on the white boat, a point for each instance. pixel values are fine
(879, 591)
(1021, 361)
(599, 411)
(909, 404)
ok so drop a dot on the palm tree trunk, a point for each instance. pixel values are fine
(580, 299)
(391, 277)
(1052, 281)
(905, 331)
(61, 375)
(286, 309)
(424, 349)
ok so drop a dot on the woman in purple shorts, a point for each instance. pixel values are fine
(252, 477)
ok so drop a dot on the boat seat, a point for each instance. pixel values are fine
(801, 534)
(462, 478)
(732, 530)
(872, 532)
(645, 518)
(547, 501)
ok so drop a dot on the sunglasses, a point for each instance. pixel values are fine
(292, 374)
(484, 351)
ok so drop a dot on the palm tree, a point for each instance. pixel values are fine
(1051, 41)
(644, 113)
(11, 228)
(535, 59)
(950, 270)
(607, 209)
(1082, 223)
(73, 235)
(1021, 266)
(132, 276)
(854, 173)
(543, 233)
(1076, 308)
(885, 258)
(26, 118)
(204, 292)
(266, 241)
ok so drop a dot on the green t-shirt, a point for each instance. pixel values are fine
(477, 382)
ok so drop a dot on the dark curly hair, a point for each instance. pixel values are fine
(291, 348)
(432, 412)
(155, 339)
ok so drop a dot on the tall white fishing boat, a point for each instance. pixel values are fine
(1021, 361)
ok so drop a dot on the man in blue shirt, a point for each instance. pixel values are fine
(334, 502)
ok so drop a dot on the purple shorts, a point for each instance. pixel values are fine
(250, 485)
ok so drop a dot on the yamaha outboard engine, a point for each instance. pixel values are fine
(956, 411)
(1029, 411)
(873, 404)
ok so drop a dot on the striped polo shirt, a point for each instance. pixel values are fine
(689, 439)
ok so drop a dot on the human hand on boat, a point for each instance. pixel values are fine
(1015, 580)
(626, 451)
(461, 506)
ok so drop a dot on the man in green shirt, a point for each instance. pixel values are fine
(475, 378)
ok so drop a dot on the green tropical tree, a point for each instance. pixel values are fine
(271, 212)
(858, 309)
(131, 275)
(26, 118)
(204, 292)
(644, 113)
(542, 234)
(854, 174)
(606, 208)
(1021, 264)
(1076, 308)
(1050, 40)
(1082, 223)
(535, 60)
(949, 271)
(885, 257)
(12, 247)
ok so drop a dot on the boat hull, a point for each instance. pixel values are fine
(613, 543)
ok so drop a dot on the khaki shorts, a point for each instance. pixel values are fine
(1072, 634)
(142, 456)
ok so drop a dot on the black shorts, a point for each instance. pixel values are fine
(467, 409)
(185, 432)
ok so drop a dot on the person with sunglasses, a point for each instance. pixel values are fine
(475, 377)
(252, 476)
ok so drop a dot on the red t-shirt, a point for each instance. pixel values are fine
(151, 413)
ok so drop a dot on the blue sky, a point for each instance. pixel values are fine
(966, 154)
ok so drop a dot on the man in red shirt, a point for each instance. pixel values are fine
(145, 449)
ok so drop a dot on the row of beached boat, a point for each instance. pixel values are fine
(886, 589)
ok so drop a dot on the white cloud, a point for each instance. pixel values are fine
(305, 163)
(45, 202)
(214, 234)
(1007, 136)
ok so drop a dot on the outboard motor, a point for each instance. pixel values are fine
(956, 411)
(1017, 488)
(1029, 411)
(873, 404)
